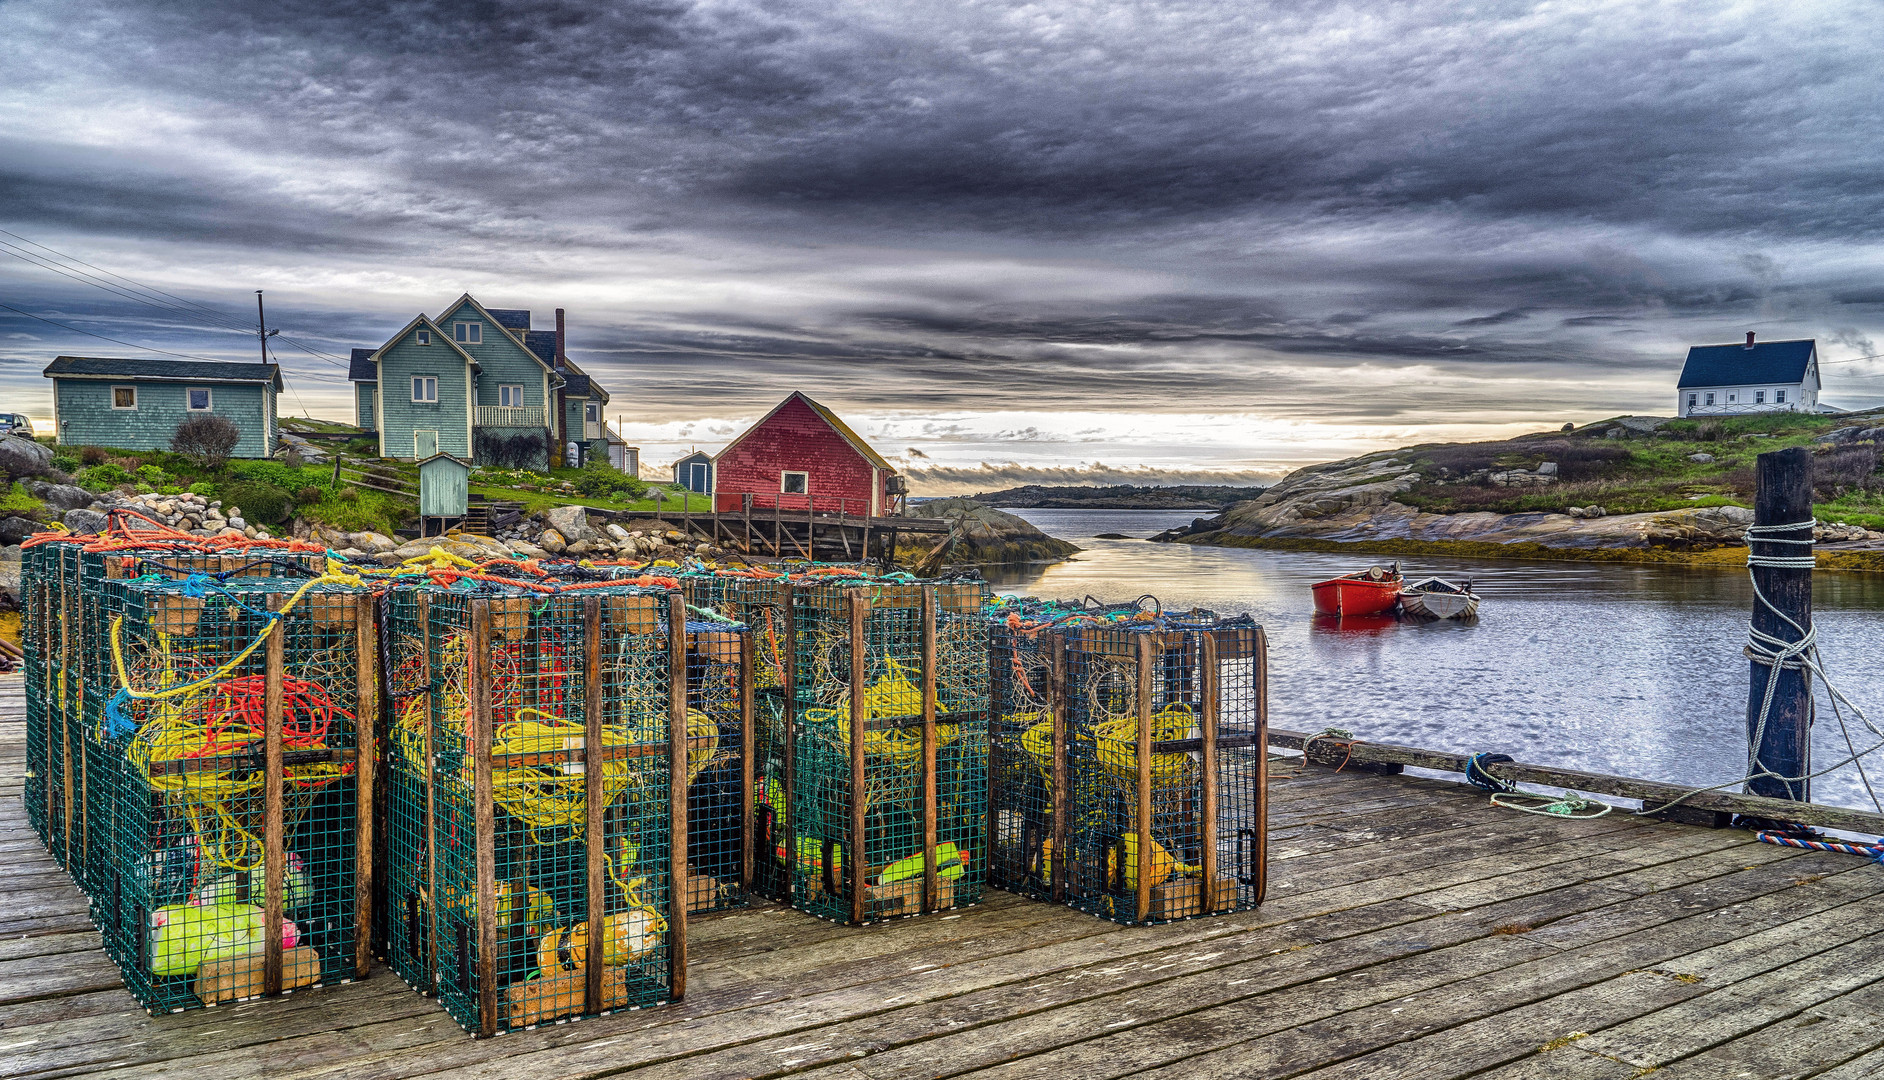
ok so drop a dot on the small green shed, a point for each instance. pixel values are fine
(444, 493)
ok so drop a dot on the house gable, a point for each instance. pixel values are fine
(841, 472)
(398, 361)
(504, 359)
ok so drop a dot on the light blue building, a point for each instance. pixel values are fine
(137, 404)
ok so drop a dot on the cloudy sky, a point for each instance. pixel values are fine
(1049, 241)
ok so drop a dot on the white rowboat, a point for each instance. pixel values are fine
(1436, 598)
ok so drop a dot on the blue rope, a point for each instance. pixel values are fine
(1475, 772)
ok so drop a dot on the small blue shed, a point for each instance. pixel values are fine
(137, 404)
(695, 472)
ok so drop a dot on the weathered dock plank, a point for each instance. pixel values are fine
(1412, 930)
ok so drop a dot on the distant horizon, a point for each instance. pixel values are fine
(1175, 241)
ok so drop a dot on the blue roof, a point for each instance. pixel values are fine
(361, 367)
(510, 318)
(1741, 365)
(169, 370)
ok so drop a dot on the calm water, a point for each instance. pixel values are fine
(1628, 670)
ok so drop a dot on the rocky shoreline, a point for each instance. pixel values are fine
(1353, 504)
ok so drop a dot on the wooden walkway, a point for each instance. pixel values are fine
(1412, 931)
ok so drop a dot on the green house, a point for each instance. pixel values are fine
(137, 404)
(481, 384)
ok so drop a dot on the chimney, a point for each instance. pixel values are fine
(559, 333)
(562, 356)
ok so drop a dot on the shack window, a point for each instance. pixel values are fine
(1710, 399)
(1732, 398)
(424, 337)
(1779, 397)
(124, 397)
(425, 388)
(196, 398)
(1759, 397)
(1691, 399)
(468, 333)
(510, 395)
(793, 483)
(592, 412)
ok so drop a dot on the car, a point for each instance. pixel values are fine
(16, 424)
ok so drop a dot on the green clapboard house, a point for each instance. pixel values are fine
(137, 404)
(478, 383)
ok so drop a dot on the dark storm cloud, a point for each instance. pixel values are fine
(1201, 206)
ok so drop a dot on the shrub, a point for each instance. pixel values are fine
(103, 477)
(600, 480)
(204, 488)
(309, 494)
(270, 472)
(206, 439)
(93, 455)
(65, 462)
(261, 503)
(153, 475)
(170, 489)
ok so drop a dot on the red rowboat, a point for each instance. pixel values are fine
(1369, 592)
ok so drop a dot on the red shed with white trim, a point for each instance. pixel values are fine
(799, 456)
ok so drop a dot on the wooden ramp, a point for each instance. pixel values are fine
(1412, 931)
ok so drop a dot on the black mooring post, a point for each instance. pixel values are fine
(1784, 498)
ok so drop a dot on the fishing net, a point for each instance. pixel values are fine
(859, 653)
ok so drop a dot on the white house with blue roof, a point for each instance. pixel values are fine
(1749, 377)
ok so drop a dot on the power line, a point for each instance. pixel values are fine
(218, 316)
(195, 312)
(101, 337)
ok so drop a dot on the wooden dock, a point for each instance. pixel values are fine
(1412, 931)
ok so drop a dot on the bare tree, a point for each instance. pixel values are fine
(206, 439)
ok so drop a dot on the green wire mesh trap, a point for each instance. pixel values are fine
(227, 828)
(1164, 804)
(888, 785)
(530, 771)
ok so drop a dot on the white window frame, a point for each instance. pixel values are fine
(468, 333)
(209, 399)
(1693, 399)
(1733, 398)
(1779, 397)
(510, 395)
(132, 407)
(784, 482)
(591, 412)
(1759, 397)
(421, 383)
(1710, 399)
(424, 337)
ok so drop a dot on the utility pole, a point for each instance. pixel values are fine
(261, 326)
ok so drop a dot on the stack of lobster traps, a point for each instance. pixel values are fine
(227, 804)
(886, 778)
(1127, 760)
(548, 754)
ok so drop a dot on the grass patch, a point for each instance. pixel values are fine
(16, 500)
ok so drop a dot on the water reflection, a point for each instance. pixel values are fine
(1627, 669)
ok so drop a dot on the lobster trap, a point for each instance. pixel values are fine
(761, 603)
(538, 762)
(887, 775)
(1134, 787)
(229, 809)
